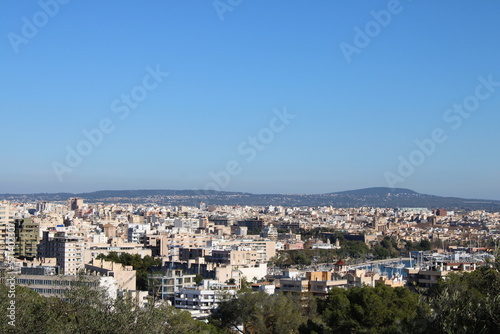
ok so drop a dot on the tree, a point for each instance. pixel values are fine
(381, 252)
(467, 302)
(356, 249)
(386, 248)
(245, 285)
(259, 312)
(425, 245)
(198, 278)
(370, 310)
(422, 245)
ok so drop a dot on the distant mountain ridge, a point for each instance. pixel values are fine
(367, 197)
(376, 191)
(154, 192)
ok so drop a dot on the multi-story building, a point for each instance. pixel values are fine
(360, 277)
(92, 250)
(66, 248)
(264, 249)
(429, 276)
(7, 236)
(125, 275)
(200, 301)
(135, 219)
(136, 232)
(43, 207)
(322, 287)
(294, 285)
(319, 283)
(47, 282)
(167, 244)
(27, 238)
(233, 257)
(193, 254)
(75, 204)
(165, 286)
(254, 226)
(189, 224)
(270, 232)
(109, 230)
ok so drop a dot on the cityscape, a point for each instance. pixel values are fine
(195, 258)
(250, 167)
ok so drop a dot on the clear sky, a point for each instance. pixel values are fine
(261, 96)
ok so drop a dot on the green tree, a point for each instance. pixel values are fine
(381, 252)
(356, 249)
(424, 245)
(198, 278)
(259, 312)
(467, 303)
(246, 286)
(371, 310)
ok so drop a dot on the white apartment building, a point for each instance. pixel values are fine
(187, 223)
(136, 232)
(166, 285)
(200, 301)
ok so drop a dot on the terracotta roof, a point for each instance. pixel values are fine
(340, 263)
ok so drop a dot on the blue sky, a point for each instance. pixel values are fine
(353, 121)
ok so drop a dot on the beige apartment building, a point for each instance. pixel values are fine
(163, 244)
(125, 276)
(66, 247)
(7, 235)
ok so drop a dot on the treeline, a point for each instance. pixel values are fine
(463, 303)
(358, 310)
(306, 257)
(389, 247)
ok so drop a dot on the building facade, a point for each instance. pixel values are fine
(164, 286)
(46, 282)
(67, 248)
(27, 238)
(7, 236)
(200, 301)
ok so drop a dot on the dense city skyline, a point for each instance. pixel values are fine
(282, 97)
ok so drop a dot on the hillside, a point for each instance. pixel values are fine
(369, 197)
